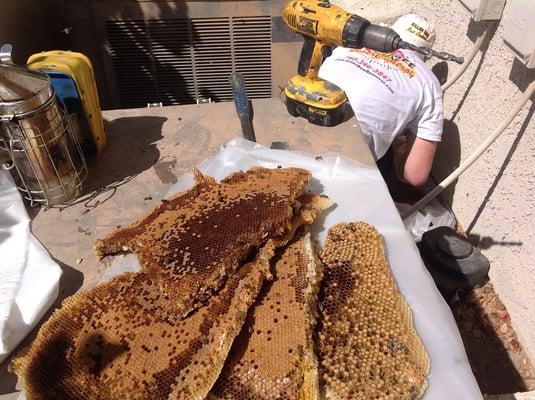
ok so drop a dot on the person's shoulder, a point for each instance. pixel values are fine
(432, 80)
(428, 77)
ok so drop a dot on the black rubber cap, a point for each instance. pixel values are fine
(445, 250)
(454, 247)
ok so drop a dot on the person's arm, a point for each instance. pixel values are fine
(419, 160)
(425, 133)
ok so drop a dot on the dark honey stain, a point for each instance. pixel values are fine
(97, 352)
(85, 231)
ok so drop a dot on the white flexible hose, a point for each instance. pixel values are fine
(475, 155)
(475, 48)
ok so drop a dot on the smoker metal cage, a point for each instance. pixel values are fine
(47, 162)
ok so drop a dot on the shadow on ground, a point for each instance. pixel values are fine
(495, 355)
(130, 149)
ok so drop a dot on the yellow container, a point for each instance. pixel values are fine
(80, 69)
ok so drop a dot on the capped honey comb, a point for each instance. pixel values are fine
(273, 357)
(121, 340)
(190, 243)
(368, 347)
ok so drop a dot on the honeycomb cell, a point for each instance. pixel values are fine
(192, 242)
(368, 347)
(275, 359)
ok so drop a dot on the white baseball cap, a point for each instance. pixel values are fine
(415, 30)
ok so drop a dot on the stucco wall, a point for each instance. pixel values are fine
(495, 200)
(32, 26)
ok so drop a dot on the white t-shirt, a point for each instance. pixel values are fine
(388, 92)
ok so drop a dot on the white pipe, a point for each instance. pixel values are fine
(475, 48)
(475, 155)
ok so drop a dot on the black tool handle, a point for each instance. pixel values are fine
(243, 105)
(312, 55)
(306, 55)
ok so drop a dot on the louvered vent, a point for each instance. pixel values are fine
(182, 60)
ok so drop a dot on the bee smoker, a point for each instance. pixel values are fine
(42, 151)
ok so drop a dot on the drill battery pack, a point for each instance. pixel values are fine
(318, 101)
(315, 115)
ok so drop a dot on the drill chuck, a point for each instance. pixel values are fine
(353, 33)
(359, 32)
(381, 38)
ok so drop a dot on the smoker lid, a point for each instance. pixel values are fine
(22, 90)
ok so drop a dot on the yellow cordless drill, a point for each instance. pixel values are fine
(323, 26)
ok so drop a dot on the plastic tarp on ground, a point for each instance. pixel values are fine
(29, 278)
(361, 194)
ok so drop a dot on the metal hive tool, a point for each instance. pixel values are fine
(190, 243)
(368, 347)
(273, 357)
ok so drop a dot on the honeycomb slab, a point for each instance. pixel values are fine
(192, 242)
(273, 357)
(121, 340)
(368, 347)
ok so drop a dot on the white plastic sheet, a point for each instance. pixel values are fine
(29, 278)
(360, 194)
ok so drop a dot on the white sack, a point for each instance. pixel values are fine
(29, 278)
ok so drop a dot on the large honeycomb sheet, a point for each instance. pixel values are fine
(368, 347)
(273, 357)
(190, 243)
(121, 340)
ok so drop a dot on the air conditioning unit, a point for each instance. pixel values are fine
(182, 52)
(519, 30)
(481, 10)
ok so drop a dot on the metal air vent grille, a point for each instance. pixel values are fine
(179, 61)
